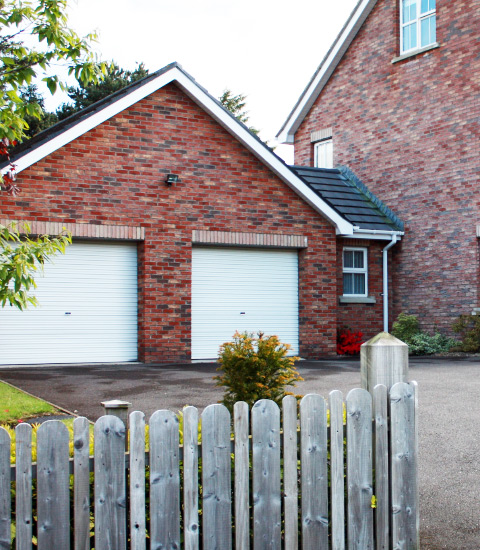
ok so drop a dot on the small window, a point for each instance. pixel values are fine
(323, 157)
(417, 24)
(355, 275)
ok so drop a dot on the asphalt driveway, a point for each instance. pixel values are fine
(449, 423)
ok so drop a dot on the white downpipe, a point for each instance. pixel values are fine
(385, 282)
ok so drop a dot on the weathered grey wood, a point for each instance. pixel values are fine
(417, 491)
(383, 360)
(164, 481)
(81, 483)
(5, 495)
(242, 477)
(23, 492)
(403, 467)
(110, 486)
(359, 470)
(190, 478)
(337, 471)
(313, 429)
(290, 471)
(53, 486)
(382, 510)
(120, 409)
(216, 478)
(266, 475)
(137, 481)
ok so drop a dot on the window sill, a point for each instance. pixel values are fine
(415, 52)
(357, 300)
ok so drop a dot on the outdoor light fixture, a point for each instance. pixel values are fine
(171, 179)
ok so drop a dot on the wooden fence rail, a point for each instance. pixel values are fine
(313, 483)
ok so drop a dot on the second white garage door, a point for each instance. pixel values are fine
(246, 290)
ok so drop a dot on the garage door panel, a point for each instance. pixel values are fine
(246, 290)
(87, 312)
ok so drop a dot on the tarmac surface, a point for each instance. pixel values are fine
(449, 423)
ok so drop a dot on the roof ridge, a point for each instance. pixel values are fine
(362, 188)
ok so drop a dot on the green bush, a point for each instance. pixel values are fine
(468, 329)
(406, 328)
(254, 368)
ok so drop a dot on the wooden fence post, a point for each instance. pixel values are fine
(383, 360)
(120, 409)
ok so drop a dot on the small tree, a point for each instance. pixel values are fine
(255, 368)
(20, 260)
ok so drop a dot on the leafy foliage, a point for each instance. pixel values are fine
(468, 329)
(349, 342)
(407, 329)
(20, 260)
(236, 105)
(36, 123)
(35, 41)
(255, 368)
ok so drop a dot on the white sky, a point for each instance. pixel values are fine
(265, 49)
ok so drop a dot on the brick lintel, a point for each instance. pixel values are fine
(264, 240)
(80, 230)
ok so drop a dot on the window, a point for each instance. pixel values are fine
(355, 272)
(323, 157)
(417, 24)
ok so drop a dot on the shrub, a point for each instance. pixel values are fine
(255, 368)
(349, 342)
(406, 328)
(468, 329)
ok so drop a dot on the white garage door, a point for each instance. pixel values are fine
(87, 311)
(246, 290)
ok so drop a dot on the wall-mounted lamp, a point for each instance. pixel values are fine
(171, 179)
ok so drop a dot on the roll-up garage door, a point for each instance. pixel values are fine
(87, 311)
(246, 290)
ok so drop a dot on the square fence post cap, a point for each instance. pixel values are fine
(116, 404)
(384, 339)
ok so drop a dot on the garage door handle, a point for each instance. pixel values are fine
(68, 313)
(242, 313)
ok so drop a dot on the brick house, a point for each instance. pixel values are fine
(186, 227)
(397, 99)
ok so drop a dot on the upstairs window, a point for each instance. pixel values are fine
(355, 272)
(417, 24)
(323, 154)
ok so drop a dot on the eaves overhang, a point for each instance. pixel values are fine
(325, 70)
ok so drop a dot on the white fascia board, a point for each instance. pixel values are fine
(334, 56)
(92, 121)
(376, 234)
(278, 167)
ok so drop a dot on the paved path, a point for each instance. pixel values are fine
(449, 425)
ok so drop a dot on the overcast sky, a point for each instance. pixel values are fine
(265, 49)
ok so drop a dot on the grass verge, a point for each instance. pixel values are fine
(16, 405)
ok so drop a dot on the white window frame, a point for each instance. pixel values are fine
(356, 270)
(418, 20)
(316, 147)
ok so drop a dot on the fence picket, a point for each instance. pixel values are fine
(53, 486)
(290, 471)
(417, 487)
(403, 467)
(110, 487)
(81, 483)
(216, 478)
(5, 493)
(359, 470)
(314, 477)
(242, 476)
(382, 510)
(23, 491)
(337, 470)
(190, 478)
(266, 475)
(137, 481)
(164, 480)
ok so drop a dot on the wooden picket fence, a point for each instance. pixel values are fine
(291, 484)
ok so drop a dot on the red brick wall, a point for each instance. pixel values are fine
(367, 318)
(115, 174)
(410, 130)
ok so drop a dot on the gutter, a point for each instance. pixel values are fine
(385, 281)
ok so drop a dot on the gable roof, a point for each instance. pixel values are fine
(79, 123)
(325, 70)
(346, 193)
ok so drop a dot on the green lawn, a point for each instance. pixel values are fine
(16, 405)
